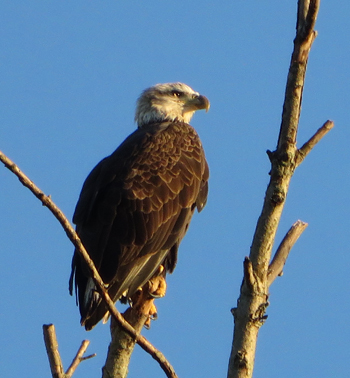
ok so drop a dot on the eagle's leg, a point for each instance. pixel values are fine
(156, 289)
(143, 299)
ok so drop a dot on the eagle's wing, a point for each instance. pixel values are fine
(134, 209)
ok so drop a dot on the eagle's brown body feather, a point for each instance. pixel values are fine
(134, 209)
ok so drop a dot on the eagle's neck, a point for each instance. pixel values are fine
(156, 113)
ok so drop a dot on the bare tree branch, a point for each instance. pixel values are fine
(307, 15)
(56, 366)
(311, 143)
(250, 312)
(281, 255)
(122, 344)
(52, 351)
(296, 76)
(73, 237)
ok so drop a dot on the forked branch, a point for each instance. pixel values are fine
(54, 355)
(79, 357)
(258, 272)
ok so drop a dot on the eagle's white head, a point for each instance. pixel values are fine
(168, 102)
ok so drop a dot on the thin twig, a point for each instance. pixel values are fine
(52, 351)
(74, 238)
(281, 255)
(311, 143)
(249, 278)
(79, 358)
(88, 357)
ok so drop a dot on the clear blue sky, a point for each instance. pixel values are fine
(70, 75)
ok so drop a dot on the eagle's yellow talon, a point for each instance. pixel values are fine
(157, 287)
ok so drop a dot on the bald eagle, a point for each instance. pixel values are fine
(136, 204)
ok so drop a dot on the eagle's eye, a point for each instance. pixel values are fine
(176, 94)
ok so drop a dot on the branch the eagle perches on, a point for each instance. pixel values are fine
(74, 238)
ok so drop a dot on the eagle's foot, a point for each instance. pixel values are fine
(152, 315)
(157, 287)
(142, 302)
(134, 299)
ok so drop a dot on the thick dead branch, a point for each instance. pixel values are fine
(281, 255)
(52, 351)
(249, 314)
(74, 238)
(122, 344)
